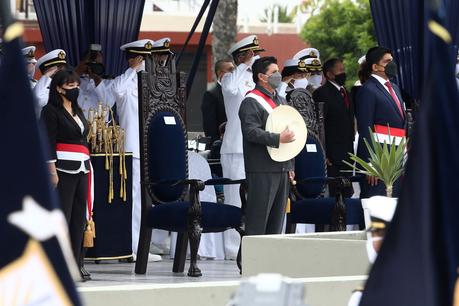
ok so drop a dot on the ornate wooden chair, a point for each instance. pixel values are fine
(170, 201)
(308, 204)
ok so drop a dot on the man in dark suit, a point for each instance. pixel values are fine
(213, 108)
(339, 120)
(379, 104)
(267, 180)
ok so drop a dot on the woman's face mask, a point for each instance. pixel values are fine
(301, 83)
(315, 80)
(72, 94)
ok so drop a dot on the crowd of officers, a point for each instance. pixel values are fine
(373, 100)
(64, 106)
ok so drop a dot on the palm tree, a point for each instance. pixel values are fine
(284, 17)
(224, 29)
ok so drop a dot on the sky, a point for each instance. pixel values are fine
(251, 9)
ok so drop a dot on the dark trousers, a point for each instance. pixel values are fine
(73, 191)
(266, 200)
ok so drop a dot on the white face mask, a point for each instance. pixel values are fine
(301, 83)
(253, 59)
(141, 67)
(371, 252)
(315, 80)
(457, 70)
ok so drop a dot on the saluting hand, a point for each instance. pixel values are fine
(51, 71)
(248, 57)
(136, 62)
(286, 136)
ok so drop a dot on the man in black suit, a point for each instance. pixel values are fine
(379, 104)
(339, 120)
(267, 180)
(213, 108)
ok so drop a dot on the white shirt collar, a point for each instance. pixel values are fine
(380, 79)
(336, 85)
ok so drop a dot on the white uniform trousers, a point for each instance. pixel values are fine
(355, 299)
(160, 238)
(233, 168)
(211, 245)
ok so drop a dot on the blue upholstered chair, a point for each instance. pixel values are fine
(170, 201)
(308, 204)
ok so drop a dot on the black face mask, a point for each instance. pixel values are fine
(340, 79)
(72, 94)
(391, 70)
(96, 68)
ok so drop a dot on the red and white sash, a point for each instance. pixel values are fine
(265, 101)
(76, 152)
(381, 134)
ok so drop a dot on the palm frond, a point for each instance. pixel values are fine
(386, 160)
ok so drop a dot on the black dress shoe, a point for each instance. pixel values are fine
(85, 274)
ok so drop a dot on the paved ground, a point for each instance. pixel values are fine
(108, 273)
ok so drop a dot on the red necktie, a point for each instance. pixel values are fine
(394, 96)
(345, 97)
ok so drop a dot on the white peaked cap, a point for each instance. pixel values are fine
(248, 43)
(53, 58)
(29, 54)
(382, 208)
(143, 46)
(161, 45)
(307, 53)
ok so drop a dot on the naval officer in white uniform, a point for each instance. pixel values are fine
(161, 243)
(235, 85)
(161, 50)
(315, 79)
(48, 64)
(29, 56)
(294, 75)
(125, 91)
(381, 213)
(94, 89)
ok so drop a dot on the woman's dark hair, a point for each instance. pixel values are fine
(288, 71)
(261, 66)
(62, 77)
